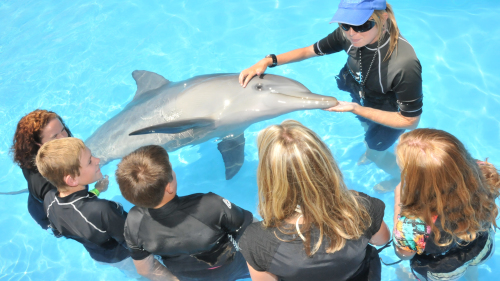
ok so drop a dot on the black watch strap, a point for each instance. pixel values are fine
(275, 60)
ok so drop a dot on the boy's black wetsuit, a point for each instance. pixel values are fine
(38, 186)
(192, 234)
(96, 223)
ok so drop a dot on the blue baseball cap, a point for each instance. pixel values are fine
(357, 12)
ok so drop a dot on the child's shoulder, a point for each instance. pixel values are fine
(96, 204)
(50, 195)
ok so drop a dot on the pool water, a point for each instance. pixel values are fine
(76, 58)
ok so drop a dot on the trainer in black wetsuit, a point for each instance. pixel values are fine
(392, 85)
(38, 186)
(96, 223)
(192, 234)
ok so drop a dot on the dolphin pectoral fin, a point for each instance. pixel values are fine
(15, 192)
(147, 81)
(233, 154)
(174, 127)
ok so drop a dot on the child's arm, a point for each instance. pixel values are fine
(100, 186)
(153, 270)
(261, 275)
(115, 224)
(144, 261)
(234, 219)
(403, 254)
(382, 236)
(397, 206)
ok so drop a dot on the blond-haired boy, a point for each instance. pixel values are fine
(75, 213)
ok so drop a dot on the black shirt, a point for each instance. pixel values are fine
(268, 249)
(397, 80)
(190, 233)
(38, 186)
(96, 223)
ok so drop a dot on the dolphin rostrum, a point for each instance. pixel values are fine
(176, 114)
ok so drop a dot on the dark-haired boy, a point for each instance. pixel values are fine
(195, 235)
(75, 213)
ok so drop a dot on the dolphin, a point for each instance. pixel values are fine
(189, 112)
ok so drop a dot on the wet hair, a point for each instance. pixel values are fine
(143, 175)
(28, 137)
(59, 158)
(491, 175)
(392, 28)
(297, 168)
(439, 177)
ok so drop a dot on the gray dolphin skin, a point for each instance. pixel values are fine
(176, 114)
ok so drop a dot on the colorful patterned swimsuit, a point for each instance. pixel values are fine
(411, 234)
(432, 262)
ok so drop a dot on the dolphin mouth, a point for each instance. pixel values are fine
(307, 99)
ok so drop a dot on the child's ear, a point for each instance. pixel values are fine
(70, 181)
(169, 188)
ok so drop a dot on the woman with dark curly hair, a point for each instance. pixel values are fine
(33, 130)
(445, 206)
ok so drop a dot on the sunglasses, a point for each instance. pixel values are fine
(358, 28)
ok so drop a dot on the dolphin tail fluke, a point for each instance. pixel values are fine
(233, 154)
(15, 192)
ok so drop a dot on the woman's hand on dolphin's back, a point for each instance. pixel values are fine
(256, 69)
(343, 106)
(288, 57)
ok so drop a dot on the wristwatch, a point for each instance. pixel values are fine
(275, 60)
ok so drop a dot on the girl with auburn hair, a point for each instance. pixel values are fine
(313, 227)
(33, 130)
(445, 207)
(382, 75)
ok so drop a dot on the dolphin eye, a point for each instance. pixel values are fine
(259, 87)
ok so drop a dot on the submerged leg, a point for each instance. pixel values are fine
(378, 139)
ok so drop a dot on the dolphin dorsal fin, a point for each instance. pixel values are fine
(147, 81)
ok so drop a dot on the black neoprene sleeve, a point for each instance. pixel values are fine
(131, 235)
(115, 220)
(332, 43)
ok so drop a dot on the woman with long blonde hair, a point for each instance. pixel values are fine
(313, 227)
(445, 205)
(383, 74)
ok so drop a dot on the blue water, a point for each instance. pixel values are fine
(76, 58)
